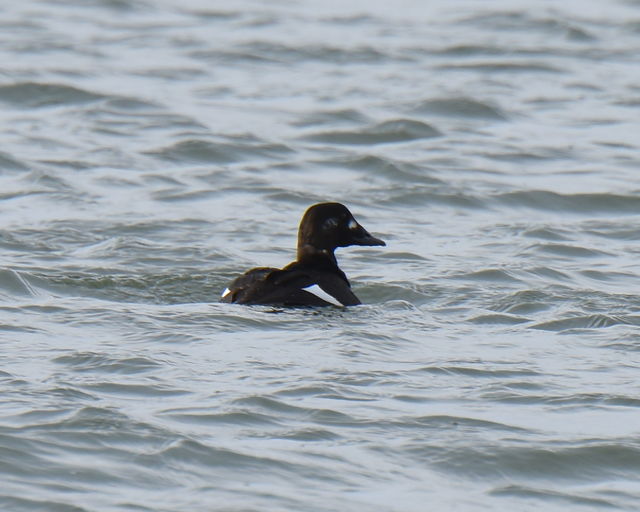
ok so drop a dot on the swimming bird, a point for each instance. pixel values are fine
(314, 278)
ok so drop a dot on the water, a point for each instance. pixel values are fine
(154, 150)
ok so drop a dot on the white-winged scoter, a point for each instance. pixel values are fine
(314, 279)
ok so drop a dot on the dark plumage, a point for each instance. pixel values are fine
(314, 279)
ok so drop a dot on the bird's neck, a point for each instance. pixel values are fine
(310, 254)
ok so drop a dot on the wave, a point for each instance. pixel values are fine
(203, 151)
(35, 95)
(395, 131)
(460, 107)
(592, 321)
(586, 203)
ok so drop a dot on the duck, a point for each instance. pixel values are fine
(314, 278)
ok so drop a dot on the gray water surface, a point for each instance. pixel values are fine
(152, 151)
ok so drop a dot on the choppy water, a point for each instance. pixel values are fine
(152, 150)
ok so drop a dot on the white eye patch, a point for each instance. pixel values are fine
(353, 224)
(314, 289)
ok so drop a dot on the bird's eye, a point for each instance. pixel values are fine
(353, 224)
(330, 223)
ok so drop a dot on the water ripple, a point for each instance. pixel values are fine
(153, 151)
(30, 95)
(201, 151)
(460, 107)
(594, 204)
(400, 130)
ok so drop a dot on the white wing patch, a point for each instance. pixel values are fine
(320, 293)
(226, 292)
